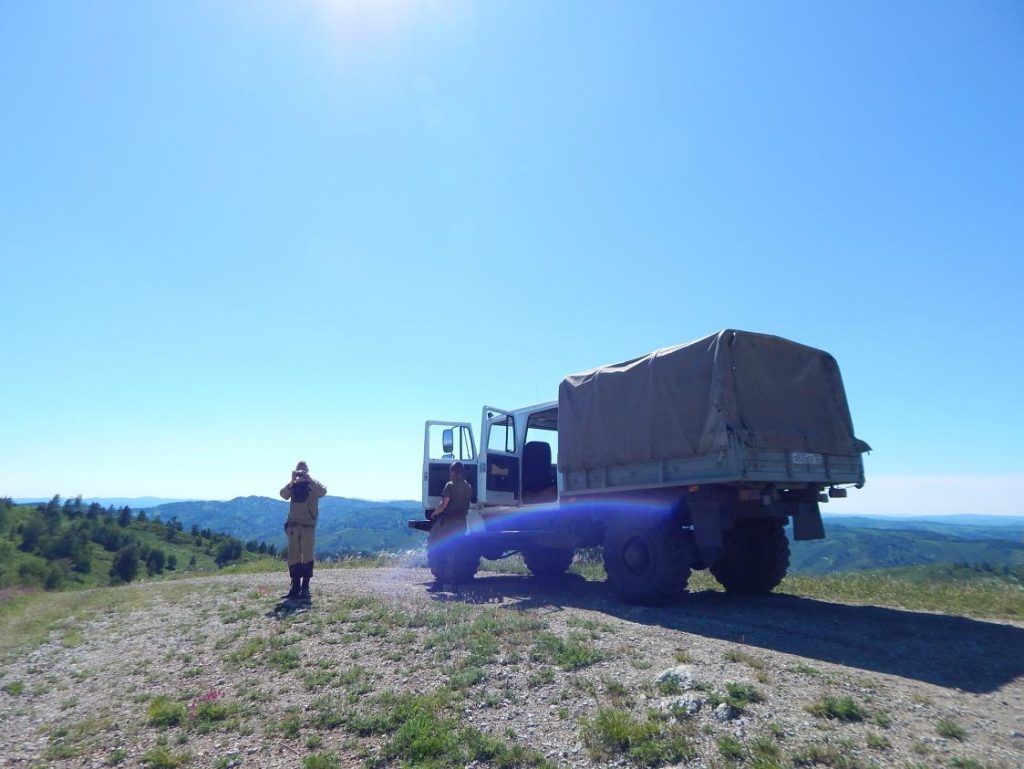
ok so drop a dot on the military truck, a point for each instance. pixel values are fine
(691, 457)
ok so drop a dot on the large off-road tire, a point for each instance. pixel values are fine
(755, 558)
(648, 562)
(453, 562)
(548, 561)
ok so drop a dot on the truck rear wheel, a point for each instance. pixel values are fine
(453, 562)
(647, 563)
(754, 560)
(548, 561)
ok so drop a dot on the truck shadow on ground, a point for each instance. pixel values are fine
(954, 652)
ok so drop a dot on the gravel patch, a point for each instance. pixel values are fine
(891, 688)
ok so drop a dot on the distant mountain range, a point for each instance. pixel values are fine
(349, 526)
(346, 526)
(855, 543)
(135, 503)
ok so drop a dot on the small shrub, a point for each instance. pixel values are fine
(739, 695)
(736, 655)
(14, 688)
(161, 758)
(328, 760)
(837, 708)
(730, 748)
(959, 762)
(208, 711)
(571, 653)
(284, 660)
(950, 729)
(465, 678)
(668, 686)
(540, 677)
(329, 714)
(617, 691)
(290, 726)
(165, 712)
(648, 743)
(878, 742)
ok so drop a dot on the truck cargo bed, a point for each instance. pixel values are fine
(736, 463)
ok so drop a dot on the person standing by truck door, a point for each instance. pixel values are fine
(449, 517)
(302, 492)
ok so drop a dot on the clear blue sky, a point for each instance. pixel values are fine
(236, 234)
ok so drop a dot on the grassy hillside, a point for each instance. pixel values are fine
(846, 548)
(67, 544)
(508, 673)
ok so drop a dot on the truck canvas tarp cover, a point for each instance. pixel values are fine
(684, 401)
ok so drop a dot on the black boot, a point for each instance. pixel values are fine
(295, 572)
(307, 574)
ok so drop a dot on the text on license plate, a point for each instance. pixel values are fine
(803, 458)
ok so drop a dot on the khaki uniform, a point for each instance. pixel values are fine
(453, 520)
(302, 514)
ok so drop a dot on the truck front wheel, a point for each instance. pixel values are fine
(453, 560)
(647, 563)
(755, 558)
(548, 561)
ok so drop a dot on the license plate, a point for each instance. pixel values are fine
(802, 458)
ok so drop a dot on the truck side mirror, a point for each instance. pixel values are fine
(447, 440)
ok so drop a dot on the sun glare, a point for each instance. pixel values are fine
(352, 20)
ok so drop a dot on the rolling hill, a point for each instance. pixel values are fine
(346, 526)
(353, 526)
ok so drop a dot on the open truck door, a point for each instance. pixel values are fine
(501, 473)
(444, 443)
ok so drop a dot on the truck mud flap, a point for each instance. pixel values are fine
(807, 522)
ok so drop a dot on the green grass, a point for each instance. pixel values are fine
(880, 588)
(427, 731)
(731, 748)
(899, 588)
(570, 653)
(740, 695)
(950, 729)
(165, 712)
(961, 762)
(28, 618)
(160, 757)
(878, 742)
(327, 760)
(648, 742)
(736, 655)
(838, 709)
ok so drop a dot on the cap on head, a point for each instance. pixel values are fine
(302, 467)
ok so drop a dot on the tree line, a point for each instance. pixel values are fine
(58, 543)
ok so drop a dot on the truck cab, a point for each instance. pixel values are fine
(516, 464)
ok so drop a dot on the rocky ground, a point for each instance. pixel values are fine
(511, 671)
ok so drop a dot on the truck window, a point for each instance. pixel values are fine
(462, 448)
(549, 437)
(502, 436)
(542, 427)
(540, 457)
